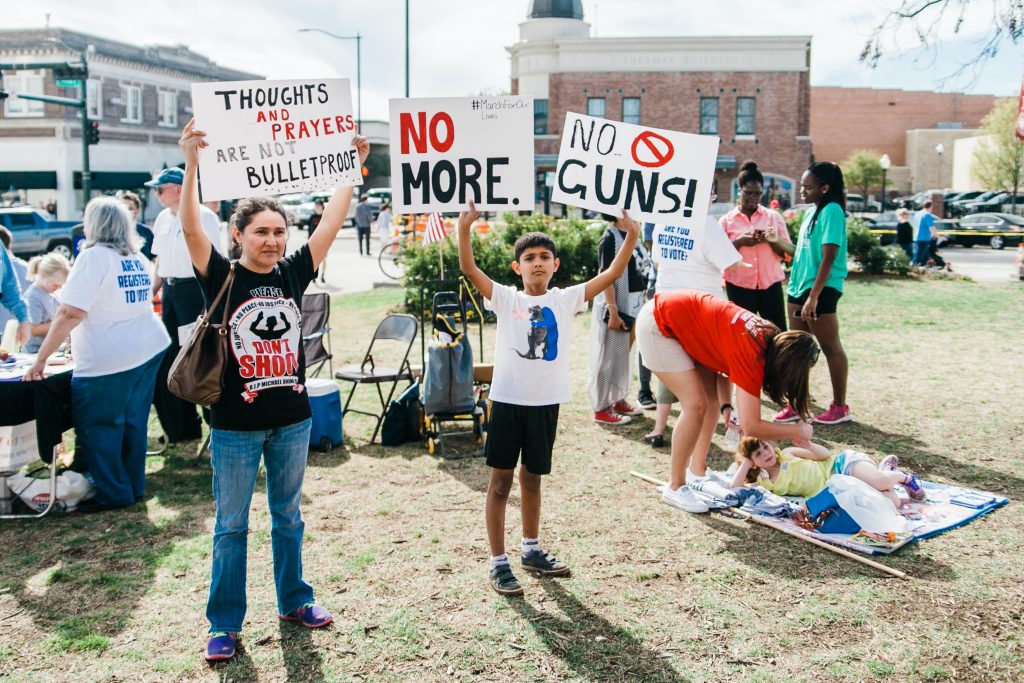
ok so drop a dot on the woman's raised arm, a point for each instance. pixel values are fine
(335, 212)
(199, 246)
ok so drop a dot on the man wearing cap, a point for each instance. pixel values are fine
(182, 296)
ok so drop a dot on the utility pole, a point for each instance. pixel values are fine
(407, 48)
(79, 71)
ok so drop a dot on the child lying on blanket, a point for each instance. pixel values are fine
(805, 472)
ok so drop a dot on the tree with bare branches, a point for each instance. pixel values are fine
(917, 24)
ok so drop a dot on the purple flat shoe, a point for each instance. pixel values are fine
(221, 646)
(309, 615)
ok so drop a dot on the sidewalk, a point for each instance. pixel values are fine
(347, 270)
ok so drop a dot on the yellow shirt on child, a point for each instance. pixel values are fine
(798, 476)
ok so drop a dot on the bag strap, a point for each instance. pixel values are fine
(228, 284)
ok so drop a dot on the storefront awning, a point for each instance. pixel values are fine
(28, 180)
(115, 180)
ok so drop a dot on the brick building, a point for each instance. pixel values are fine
(907, 125)
(752, 92)
(140, 96)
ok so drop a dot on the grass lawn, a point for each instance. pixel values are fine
(395, 545)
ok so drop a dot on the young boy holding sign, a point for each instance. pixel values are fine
(531, 380)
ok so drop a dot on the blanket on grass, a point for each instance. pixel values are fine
(947, 507)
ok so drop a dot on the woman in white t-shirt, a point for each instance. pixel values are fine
(691, 258)
(118, 342)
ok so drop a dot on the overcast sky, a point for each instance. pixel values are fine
(458, 46)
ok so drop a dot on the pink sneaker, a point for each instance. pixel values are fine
(610, 417)
(787, 414)
(834, 415)
(624, 407)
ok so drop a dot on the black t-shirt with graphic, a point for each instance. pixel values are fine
(265, 373)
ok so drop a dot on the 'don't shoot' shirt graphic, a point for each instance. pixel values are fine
(265, 339)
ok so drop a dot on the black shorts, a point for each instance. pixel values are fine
(767, 303)
(527, 429)
(828, 300)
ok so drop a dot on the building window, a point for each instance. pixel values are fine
(131, 98)
(167, 108)
(631, 110)
(745, 115)
(23, 83)
(540, 117)
(94, 99)
(709, 116)
(595, 106)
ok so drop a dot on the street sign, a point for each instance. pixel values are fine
(68, 84)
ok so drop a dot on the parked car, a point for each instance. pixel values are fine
(856, 203)
(997, 230)
(884, 226)
(298, 207)
(954, 202)
(325, 197)
(1003, 202)
(32, 233)
(377, 196)
(959, 206)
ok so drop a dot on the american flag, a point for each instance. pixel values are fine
(435, 229)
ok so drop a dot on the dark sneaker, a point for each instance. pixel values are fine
(309, 615)
(504, 581)
(544, 564)
(647, 401)
(221, 646)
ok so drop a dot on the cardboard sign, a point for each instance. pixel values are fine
(450, 150)
(275, 137)
(658, 176)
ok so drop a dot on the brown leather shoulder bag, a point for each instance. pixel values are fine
(197, 374)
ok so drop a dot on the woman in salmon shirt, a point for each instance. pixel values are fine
(686, 337)
(762, 239)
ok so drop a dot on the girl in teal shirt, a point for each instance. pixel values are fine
(816, 281)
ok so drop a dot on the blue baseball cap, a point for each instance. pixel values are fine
(168, 176)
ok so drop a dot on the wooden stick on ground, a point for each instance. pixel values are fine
(778, 527)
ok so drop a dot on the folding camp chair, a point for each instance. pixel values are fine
(316, 314)
(396, 327)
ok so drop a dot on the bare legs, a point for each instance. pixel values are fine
(497, 501)
(826, 330)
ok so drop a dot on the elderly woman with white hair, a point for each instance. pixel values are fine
(118, 343)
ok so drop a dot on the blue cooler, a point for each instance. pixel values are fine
(325, 400)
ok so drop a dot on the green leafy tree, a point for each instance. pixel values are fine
(999, 159)
(862, 169)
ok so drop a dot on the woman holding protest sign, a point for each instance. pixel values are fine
(264, 411)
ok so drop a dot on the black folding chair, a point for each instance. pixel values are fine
(316, 315)
(397, 327)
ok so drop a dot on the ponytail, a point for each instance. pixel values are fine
(827, 173)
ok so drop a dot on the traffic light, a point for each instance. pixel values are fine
(92, 133)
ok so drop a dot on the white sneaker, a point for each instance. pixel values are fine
(684, 499)
(692, 478)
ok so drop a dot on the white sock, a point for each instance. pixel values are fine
(530, 545)
(499, 560)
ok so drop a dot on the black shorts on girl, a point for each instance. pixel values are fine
(515, 429)
(828, 300)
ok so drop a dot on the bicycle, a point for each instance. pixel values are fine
(390, 257)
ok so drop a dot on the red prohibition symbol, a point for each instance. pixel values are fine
(652, 150)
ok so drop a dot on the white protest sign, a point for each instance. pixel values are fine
(658, 176)
(274, 137)
(446, 151)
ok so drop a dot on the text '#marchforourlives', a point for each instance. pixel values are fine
(135, 282)
(270, 137)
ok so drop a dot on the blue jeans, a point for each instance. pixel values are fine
(921, 252)
(236, 461)
(111, 418)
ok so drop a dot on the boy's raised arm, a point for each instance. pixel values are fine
(606, 279)
(467, 263)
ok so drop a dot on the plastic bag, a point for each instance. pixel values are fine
(72, 488)
(868, 507)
